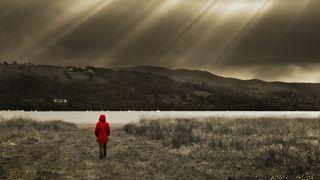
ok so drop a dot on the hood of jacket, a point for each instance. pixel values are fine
(102, 118)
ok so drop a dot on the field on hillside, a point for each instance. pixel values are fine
(212, 148)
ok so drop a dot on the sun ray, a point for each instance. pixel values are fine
(125, 26)
(73, 18)
(219, 17)
(240, 10)
(236, 39)
(294, 17)
(176, 39)
(139, 29)
(247, 24)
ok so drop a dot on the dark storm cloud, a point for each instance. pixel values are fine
(272, 40)
(20, 20)
(282, 38)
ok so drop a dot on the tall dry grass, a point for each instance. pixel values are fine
(279, 147)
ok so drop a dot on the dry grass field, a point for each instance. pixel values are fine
(241, 148)
(212, 148)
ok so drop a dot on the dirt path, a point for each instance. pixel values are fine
(82, 155)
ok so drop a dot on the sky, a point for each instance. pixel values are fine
(272, 40)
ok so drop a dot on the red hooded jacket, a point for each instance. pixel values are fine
(102, 129)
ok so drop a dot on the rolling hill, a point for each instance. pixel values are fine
(41, 87)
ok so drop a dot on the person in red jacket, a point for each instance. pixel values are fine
(102, 131)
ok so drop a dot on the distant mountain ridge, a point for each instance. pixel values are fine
(215, 80)
(41, 87)
(182, 74)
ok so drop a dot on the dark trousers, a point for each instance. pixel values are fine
(102, 150)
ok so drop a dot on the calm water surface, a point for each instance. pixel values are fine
(121, 117)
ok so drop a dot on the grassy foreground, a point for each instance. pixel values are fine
(240, 148)
(163, 149)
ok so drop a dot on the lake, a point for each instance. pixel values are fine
(122, 117)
